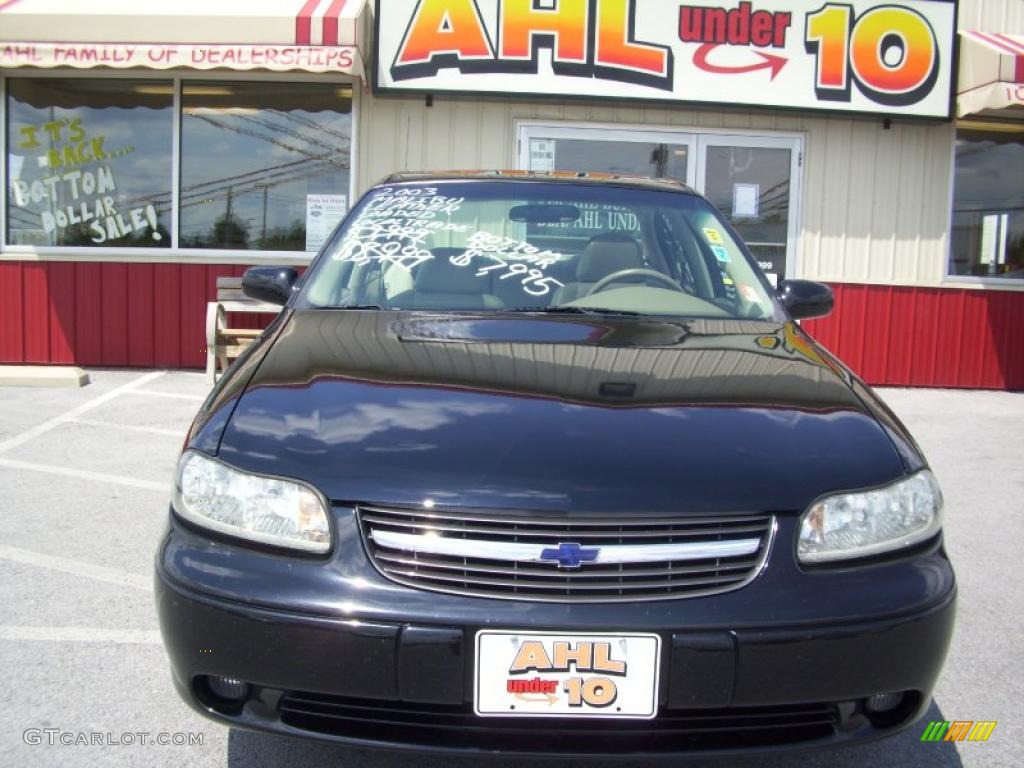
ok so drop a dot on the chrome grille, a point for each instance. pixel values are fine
(522, 557)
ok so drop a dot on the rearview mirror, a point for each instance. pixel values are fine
(270, 284)
(541, 213)
(806, 298)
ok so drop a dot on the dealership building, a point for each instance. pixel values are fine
(149, 148)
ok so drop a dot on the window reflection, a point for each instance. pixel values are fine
(988, 202)
(89, 162)
(263, 165)
(627, 158)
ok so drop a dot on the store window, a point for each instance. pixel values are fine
(90, 163)
(988, 201)
(259, 161)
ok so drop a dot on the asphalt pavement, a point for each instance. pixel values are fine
(84, 483)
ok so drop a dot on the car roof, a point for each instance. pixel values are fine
(572, 177)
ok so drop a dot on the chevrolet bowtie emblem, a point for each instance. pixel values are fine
(570, 555)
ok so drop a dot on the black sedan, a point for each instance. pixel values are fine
(543, 465)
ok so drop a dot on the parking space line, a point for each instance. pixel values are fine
(84, 474)
(75, 567)
(56, 421)
(173, 395)
(81, 635)
(131, 427)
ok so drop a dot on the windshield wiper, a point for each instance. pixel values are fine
(353, 306)
(568, 310)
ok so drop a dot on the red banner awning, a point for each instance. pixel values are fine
(274, 35)
(991, 74)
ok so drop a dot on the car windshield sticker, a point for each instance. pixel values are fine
(720, 253)
(713, 235)
(748, 293)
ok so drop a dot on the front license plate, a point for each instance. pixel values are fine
(552, 674)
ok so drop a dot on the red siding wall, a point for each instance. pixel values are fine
(927, 337)
(107, 314)
(144, 315)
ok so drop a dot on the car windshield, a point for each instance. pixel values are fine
(530, 246)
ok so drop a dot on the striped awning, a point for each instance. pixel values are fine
(991, 74)
(274, 35)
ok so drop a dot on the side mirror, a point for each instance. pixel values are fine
(806, 298)
(270, 284)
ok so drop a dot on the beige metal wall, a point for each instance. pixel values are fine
(875, 201)
(1005, 16)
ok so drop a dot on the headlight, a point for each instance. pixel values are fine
(861, 524)
(264, 509)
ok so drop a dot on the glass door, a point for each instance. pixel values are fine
(661, 154)
(753, 181)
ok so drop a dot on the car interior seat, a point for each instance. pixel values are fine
(439, 284)
(604, 254)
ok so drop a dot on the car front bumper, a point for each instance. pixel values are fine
(378, 664)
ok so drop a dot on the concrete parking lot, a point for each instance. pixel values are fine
(84, 482)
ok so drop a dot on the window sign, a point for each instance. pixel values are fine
(89, 163)
(744, 199)
(542, 155)
(988, 251)
(323, 214)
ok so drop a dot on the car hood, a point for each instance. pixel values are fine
(563, 413)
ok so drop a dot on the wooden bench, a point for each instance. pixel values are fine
(224, 344)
